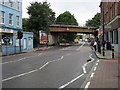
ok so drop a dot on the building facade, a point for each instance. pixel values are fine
(111, 12)
(10, 24)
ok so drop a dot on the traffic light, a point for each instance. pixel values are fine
(20, 34)
(96, 34)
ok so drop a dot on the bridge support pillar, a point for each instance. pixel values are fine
(53, 38)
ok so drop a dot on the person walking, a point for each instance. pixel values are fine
(94, 45)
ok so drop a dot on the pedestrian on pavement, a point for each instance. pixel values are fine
(94, 45)
(99, 47)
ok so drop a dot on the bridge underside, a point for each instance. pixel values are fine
(71, 30)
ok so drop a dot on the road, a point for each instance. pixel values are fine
(59, 67)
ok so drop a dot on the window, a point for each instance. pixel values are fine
(17, 42)
(116, 8)
(5, 35)
(2, 2)
(29, 41)
(10, 19)
(2, 18)
(111, 37)
(17, 21)
(11, 3)
(18, 5)
(115, 37)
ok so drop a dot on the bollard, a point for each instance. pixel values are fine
(113, 52)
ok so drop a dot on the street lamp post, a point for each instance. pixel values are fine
(103, 42)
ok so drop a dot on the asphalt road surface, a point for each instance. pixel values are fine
(59, 67)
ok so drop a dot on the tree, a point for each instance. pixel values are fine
(41, 16)
(95, 21)
(66, 18)
(24, 24)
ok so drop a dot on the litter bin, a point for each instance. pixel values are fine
(108, 46)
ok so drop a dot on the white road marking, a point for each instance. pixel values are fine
(96, 64)
(63, 86)
(20, 75)
(84, 70)
(20, 59)
(92, 75)
(23, 74)
(87, 85)
(95, 68)
(81, 46)
(98, 60)
(40, 54)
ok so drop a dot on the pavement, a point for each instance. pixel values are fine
(105, 74)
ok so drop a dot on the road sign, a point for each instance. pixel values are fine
(106, 26)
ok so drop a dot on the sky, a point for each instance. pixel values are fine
(82, 9)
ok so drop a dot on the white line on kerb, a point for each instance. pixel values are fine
(95, 68)
(87, 85)
(63, 86)
(92, 75)
(84, 71)
(98, 60)
(96, 64)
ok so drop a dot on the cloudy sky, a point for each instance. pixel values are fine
(82, 9)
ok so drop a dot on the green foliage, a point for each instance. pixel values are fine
(67, 37)
(24, 24)
(41, 16)
(66, 18)
(80, 36)
(95, 21)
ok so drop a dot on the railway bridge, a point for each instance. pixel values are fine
(56, 29)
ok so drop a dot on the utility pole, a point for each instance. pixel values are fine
(103, 42)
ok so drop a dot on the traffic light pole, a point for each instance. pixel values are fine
(20, 44)
(20, 35)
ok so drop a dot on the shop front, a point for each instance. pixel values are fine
(10, 44)
(8, 41)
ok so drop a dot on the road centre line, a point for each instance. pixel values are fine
(23, 74)
(40, 54)
(63, 86)
(21, 59)
(84, 70)
(81, 46)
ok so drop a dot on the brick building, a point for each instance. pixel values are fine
(111, 11)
